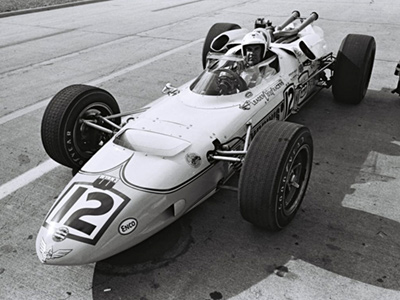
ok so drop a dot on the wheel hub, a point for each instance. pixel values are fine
(293, 181)
(296, 176)
(87, 139)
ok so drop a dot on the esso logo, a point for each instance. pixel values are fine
(127, 226)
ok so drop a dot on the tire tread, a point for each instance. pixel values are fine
(252, 192)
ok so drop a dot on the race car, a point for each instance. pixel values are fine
(139, 171)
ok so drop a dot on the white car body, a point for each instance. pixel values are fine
(157, 167)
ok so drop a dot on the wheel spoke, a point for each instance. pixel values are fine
(294, 184)
(295, 177)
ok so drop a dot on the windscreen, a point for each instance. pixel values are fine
(222, 76)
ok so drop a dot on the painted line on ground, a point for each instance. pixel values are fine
(381, 179)
(23, 111)
(27, 177)
(49, 165)
(38, 105)
(54, 60)
(46, 36)
(144, 63)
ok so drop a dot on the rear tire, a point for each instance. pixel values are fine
(275, 174)
(353, 68)
(215, 31)
(65, 138)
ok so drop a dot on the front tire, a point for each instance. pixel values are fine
(66, 139)
(353, 68)
(275, 174)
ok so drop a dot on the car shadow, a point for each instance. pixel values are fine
(212, 253)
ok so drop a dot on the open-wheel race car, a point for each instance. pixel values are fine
(137, 172)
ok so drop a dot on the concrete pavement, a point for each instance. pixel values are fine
(344, 244)
(24, 11)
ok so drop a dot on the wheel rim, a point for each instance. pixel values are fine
(298, 174)
(88, 140)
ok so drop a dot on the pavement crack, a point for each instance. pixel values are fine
(174, 6)
(37, 38)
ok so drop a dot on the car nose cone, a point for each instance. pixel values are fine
(50, 250)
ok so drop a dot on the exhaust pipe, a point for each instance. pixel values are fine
(313, 17)
(295, 14)
(289, 33)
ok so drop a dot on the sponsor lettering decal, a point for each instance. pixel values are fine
(293, 75)
(304, 86)
(301, 68)
(86, 210)
(278, 113)
(268, 93)
(50, 253)
(127, 226)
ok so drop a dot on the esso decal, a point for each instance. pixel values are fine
(127, 226)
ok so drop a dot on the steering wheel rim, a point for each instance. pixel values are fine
(234, 79)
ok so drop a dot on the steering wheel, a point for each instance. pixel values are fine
(229, 82)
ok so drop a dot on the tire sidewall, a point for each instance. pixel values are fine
(68, 131)
(367, 71)
(266, 171)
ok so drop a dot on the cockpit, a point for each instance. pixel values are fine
(227, 74)
(221, 76)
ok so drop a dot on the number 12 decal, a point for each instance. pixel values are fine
(289, 97)
(86, 211)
